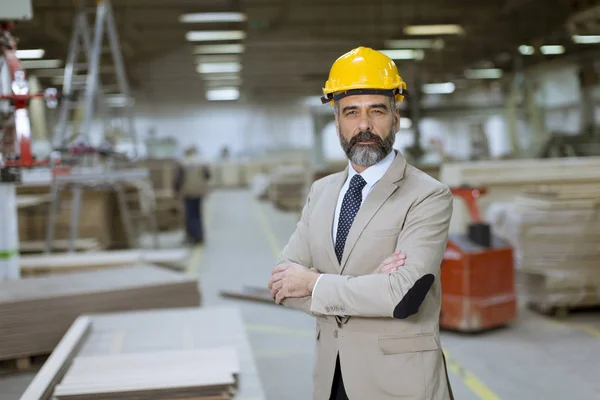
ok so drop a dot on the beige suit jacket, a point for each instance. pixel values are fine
(384, 327)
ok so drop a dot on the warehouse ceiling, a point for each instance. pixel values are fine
(289, 46)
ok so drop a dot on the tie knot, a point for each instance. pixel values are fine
(357, 182)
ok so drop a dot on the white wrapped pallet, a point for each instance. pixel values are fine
(9, 234)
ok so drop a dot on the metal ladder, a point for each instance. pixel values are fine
(72, 92)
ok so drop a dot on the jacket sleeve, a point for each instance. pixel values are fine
(400, 294)
(297, 251)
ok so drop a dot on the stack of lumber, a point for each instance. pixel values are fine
(36, 312)
(555, 232)
(100, 206)
(199, 353)
(195, 373)
(505, 179)
(288, 187)
(69, 262)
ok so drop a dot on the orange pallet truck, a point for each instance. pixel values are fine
(478, 276)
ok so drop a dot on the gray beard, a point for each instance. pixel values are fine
(367, 155)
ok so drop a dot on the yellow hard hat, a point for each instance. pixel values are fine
(363, 71)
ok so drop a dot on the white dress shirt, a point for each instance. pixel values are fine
(371, 175)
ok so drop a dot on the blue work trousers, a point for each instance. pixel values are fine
(193, 219)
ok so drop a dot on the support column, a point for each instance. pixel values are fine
(320, 121)
(587, 82)
(414, 104)
(9, 233)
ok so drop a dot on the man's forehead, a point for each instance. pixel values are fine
(364, 100)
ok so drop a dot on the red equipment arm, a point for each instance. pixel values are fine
(470, 195)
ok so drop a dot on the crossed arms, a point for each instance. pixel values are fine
(397, 292)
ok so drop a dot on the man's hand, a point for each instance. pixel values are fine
(291, 280)
(391, 264)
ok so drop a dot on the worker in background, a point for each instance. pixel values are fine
(191, 184)
(365, 257)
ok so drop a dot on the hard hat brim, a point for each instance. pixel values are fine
(336, 96)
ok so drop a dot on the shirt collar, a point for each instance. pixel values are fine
(375, 172)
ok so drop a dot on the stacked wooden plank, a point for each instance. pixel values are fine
(198, 373)
(199, 353)
(555, 232)
(505, 179)
(36, 312)
(288, 187)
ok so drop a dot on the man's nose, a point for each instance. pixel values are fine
(364, 123)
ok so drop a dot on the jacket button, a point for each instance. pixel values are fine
(335, 333)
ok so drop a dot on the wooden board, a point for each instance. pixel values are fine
(249, 293)
(59, 245)
(139, 345)
(56, 263)
(36, 312)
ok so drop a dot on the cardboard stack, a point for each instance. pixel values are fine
(555, 232)
(36, 312)
(288, 187)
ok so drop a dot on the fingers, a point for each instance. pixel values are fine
(280, 296)
(276, 287)
(280, 269)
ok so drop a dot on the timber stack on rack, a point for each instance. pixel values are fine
(504, 180)
(288, 187)
(38, 311)
(169, 212)
(555, 232)
(102, 221)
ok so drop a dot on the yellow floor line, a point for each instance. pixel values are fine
(267, 229)
(194, 262)
(589, 330)
(469, 379)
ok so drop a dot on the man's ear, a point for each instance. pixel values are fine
(396, 120)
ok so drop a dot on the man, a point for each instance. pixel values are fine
(191, 183)
(377, 320)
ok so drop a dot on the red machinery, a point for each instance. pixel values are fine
(478, 276)
(15, 133)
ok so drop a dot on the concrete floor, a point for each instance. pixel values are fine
(536, 358)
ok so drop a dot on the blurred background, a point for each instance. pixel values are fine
(112, 265)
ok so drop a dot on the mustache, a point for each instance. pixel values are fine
(364, 136)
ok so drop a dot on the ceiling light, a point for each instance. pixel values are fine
(212, 68)
(208, 36)
(586, 39)
(219, 49)
(213, 17)
(220, 76)
(30, 54)
(434, 30)
(436, 44)
(222, 94)
(218, 58)
(438, 88)
(402, 54)
(483, 73)
(41, 64)
(526, 50)
(552, 49)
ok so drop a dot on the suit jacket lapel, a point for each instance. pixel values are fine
(380, 193)
(330, 202)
